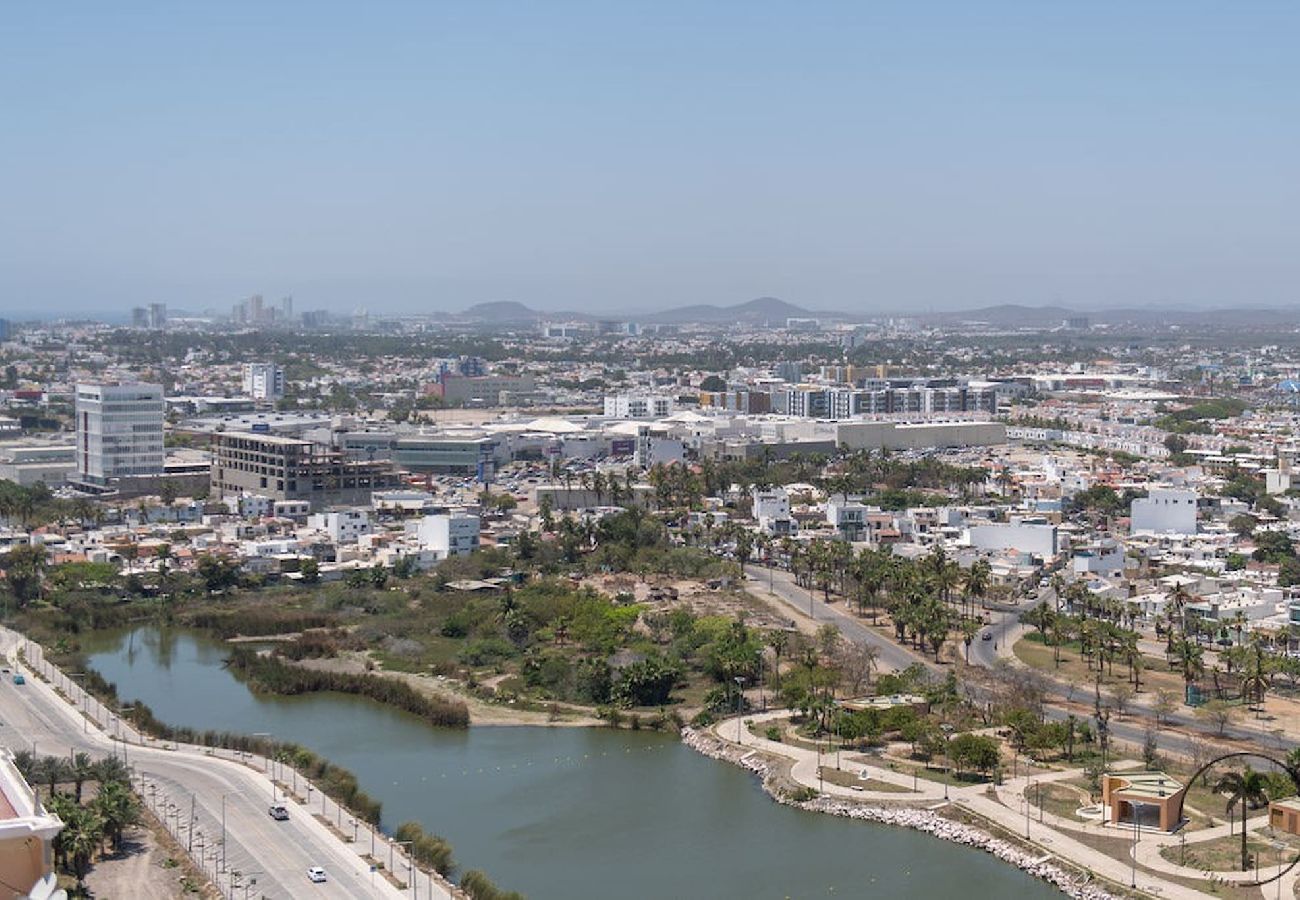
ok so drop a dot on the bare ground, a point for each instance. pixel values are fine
(149, 867)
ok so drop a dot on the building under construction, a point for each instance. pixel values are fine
(283, 468)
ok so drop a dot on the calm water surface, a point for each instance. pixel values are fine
(564, 813)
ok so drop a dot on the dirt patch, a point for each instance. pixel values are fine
(658, 594)
(148, 867)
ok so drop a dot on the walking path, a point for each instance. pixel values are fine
(1010, 806)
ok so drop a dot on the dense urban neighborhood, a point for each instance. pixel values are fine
(1031, 588)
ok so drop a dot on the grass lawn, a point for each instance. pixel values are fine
(1059, 799)
(1224, 854)
(1033, 652)
(847, 779)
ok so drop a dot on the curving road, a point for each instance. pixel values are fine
(1005, 628)
(270, 857)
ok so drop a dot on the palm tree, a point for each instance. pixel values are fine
(1179, 597)
(1191, 659)
(977, 581)
(80, 771)
(1248, 788)
(969, 628)
(118, 808)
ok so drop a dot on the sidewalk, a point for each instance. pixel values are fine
(1052, 836)
(120, 736)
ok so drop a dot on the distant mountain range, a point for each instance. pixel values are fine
(763, 310)
(773, 311)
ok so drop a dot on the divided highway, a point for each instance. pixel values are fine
(177, 781)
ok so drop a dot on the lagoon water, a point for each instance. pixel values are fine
(564, 813)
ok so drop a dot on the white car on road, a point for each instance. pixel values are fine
(316, 874)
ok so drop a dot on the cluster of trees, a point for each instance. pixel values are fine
(878, 476)
(266, 673)
(927, 599)
(87, 826)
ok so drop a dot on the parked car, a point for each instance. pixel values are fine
(316, 874)
(278, 812)
(18, 679)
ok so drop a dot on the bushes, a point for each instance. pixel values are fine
(486, 651)
(480, 887)
(275, 677)
(228, 623)
(426, 848)
(646, 683)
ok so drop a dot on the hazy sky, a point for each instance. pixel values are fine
(615, 155)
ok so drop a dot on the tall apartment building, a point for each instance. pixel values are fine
(263, 381)
(818, 402)
(119, 431)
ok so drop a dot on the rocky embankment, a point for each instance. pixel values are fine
(924, 820)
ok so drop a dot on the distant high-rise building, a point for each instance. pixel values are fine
(119, 431)
(157, 316)
(256, 310)
(6, 329)
(789, 370)
(263, 381)
(139, 317)
(286, 309)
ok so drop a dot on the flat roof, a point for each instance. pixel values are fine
(1155, 785)
(265, 437)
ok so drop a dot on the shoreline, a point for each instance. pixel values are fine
(923, 820)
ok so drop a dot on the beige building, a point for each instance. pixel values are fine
(27, 835)
(1156, 799)
(1284, 815)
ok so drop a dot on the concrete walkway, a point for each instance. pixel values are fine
(1007, 807)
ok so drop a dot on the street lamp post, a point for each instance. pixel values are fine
(266, 758)
(85, 715)
(124, 741)
(223, 832)
(1133, 870)
(740, 700)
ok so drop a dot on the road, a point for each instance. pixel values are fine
(1006, 629)
(890, 655)
(176, 781)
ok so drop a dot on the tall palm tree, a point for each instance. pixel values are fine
(977, 581)
(118, 808)
(1249, 788)
(1179, 597)
(1191, 659)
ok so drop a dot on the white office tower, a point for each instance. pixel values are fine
(263, 381)
(119, 431)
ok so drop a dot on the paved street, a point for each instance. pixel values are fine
(176, 781)
(783, 588)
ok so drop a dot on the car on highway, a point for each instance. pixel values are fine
(278, 812)
(316, 874)
(986, 636)
(19, 679)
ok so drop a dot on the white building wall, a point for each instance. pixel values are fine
(1039, 540)
(1164, 511)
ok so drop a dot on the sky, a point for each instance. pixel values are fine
(626, 156)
